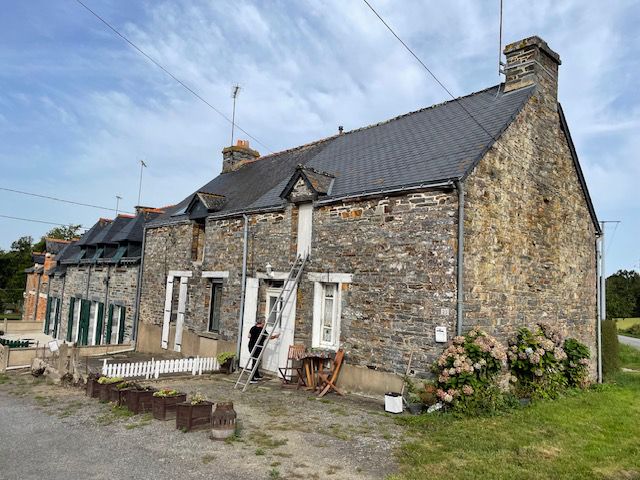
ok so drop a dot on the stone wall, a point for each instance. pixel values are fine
(107, 284)
(530, 241)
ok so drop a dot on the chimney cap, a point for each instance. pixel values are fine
(534, 40)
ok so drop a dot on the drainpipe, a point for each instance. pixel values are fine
(35, 305)
(44, 322)
(64, 281)
(244, 285)
(599, 295)
(136, 318)
(460, 262)
(106, 302)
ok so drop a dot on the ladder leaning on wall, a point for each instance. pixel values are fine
(288, 289)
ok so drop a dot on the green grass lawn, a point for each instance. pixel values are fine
(624, 323)
(590, 434)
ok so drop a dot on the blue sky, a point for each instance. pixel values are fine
(79, 108)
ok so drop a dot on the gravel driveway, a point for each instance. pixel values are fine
(52, 432)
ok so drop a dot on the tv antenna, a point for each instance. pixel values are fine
(118, 198)
(142, 166)
(501, 65)
(235, 90)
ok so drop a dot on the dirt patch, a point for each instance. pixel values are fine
(282, 433)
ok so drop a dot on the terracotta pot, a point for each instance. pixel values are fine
(193, 417)
(164, 408)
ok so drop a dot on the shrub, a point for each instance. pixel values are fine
(610, 349)
(576, 365)
(633, 330)
(166, 392)
(467, 372)
(536, 359)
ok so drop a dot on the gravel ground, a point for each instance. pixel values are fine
(56, 432)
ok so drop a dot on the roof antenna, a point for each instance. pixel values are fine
(235, 90)
(501, 64)
(118, 198)
(142, 165)
(340, 129)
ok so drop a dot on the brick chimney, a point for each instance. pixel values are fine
(531, 61)
(236, 156)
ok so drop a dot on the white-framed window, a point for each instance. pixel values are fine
(326, 315)
(271, 313)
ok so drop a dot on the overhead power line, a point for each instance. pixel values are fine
(40, 221)
(457, 100)
(157, 64)
(60, 199)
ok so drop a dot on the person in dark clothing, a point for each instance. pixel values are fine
(257, 336)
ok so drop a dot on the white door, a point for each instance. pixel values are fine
(277, 350)
(249, 317)
(166, 322)
(182, 304)
(305, 228)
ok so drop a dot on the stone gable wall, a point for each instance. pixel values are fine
(530, 241)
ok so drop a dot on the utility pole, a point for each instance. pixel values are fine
(142, 165)
(602, 290)
(235, 90)
(118, 198)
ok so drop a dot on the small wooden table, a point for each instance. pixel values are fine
(312, 363)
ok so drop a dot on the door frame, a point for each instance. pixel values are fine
(168, 301)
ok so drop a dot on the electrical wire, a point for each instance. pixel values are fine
(61, 200)
(40, 221)
(157, 64)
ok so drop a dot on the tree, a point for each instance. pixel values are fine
(623, 294)
(12, 266)
(69, 232)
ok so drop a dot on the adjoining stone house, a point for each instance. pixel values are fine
(93, 287)
(36, 306)
(469, 213)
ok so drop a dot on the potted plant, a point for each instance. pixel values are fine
(104, 385)
(225, 360)
(194, 414)
(414, 402)
(140, 399)
(164, 403)
(118, 392)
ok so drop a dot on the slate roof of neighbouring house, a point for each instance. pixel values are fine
(438, 143)
(54, 245)
(106, 235)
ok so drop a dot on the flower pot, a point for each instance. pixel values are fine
(193, 417)
(164, 408)
(139, 401)
(227, 366)
(223, 421)
(415, 408)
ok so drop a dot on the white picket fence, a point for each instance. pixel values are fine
(155, 368)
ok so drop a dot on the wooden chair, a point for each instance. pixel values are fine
(328, 378)
(291, 370)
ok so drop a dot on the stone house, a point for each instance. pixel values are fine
(473, 212)
(93, 286)
(36, 306)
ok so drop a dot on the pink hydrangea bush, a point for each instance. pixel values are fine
(468, 368)
(537, 361)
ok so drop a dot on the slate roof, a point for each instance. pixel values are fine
(438, 143)
(133, 230)
(54, 245)
(106, 235)
(90, 235)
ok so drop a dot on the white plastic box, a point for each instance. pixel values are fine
(393, 402)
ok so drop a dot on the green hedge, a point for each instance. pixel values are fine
(610, 349)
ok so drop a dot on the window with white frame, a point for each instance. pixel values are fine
(326, 317)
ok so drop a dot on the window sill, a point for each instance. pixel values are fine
(211, 335)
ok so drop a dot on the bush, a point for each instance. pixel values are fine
(537, 360)
(576, 365)
(632, 331)
(467, 373)
(610, 349)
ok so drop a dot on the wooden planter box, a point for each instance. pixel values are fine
(92, 388)
(193, 417)
(139, 401)
(103, 391)
(116, 395)
(164, 408)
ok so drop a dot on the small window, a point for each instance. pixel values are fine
(197, 242)
(326, 319)
(214, 306)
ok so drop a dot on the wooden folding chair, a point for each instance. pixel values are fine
(293, 356)
(329, 377)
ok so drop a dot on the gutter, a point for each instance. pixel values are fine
(136, 318)
(386, 191)
(460, 262)
(243, 286)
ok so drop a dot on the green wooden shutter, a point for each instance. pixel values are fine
(121, 326)
(72, 302)
(47, 315)
(99, 323)
(107, 335)
(56, 317)
(85, 314)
